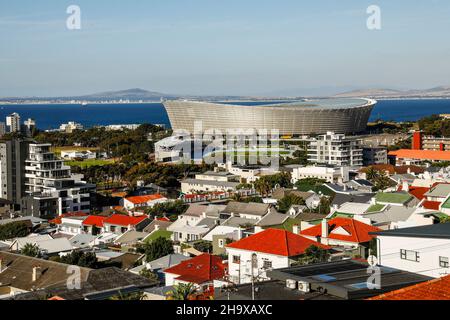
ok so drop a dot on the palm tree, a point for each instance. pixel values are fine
(181, 291)
(372, 174)
(31, 250)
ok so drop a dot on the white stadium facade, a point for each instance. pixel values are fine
(290, 118)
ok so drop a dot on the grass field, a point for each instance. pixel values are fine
(89, 163)
(58, 150)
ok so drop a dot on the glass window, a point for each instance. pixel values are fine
(236, 259)
(267, 264)
(409, 255)
(443, 262)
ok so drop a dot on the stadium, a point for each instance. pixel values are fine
(290, 118)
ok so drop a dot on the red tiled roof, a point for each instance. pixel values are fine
(201, 269)
(394, 169)
(358, 232)
(436, 289)
(421, 154)
(144, 199)
(58, 220)
(163, 219)
(276, 241)
(431, 205)
(94, 221)
(124, 220)
(418, 192)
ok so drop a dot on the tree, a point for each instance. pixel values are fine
(314, 254)
(31, 250)
(181, 291)
(158, 248)
(81, 259)
(289, 200)
(14, 230)
(203, 246)
(149, 274)
(140, 295)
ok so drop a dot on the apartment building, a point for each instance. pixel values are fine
(335, 149)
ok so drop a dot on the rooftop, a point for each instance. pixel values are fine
(437, 289)
(276, 241)
(393, 197)
(144, 199)
(421, 154)
(437, 231)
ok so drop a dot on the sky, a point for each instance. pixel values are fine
(233, 47)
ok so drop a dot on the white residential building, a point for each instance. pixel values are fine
(424, 250)
(70, 127)
(331, 174)
(335, 149)
(13, 122)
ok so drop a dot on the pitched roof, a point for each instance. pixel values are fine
(252, 208)
(422, 154)
(357, 231)
(436, 289)
(200, 269)
(58, 220)
(276, 241)
(144, 199)
(436, 231)
(393, 197)
(418, 192)
(94, 221)
(124, 220)
(431, 205)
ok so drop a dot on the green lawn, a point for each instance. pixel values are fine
(89, 163)
(375, 208)
(393, 197)
(158, 234)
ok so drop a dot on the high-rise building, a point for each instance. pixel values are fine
(335, 149)
(28, 126)
(50, 187)
(12, 169)
(13, 122)
(2, 129)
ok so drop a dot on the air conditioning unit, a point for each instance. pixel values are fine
(304, 287)
(291, 284)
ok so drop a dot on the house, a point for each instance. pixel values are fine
(417, 157)
(72, 225)
(196, 186)
(312, 199)
(27, 278)
(200, 271)
(130, 238)
(270, 249)
(47, 245)
(159, 265)
(246, 210)
(329, 173)
(221, 235)
(94, 224)
(436, 289)
(134, 202)
(119, 223)
(196, 222)
(424, 249)
(343, 232)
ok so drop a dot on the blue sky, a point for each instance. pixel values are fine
(221, 47)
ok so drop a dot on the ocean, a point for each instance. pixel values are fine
(50, 116)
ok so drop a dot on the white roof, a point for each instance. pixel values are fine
(220, 230)
(354, 208)
(46, 243)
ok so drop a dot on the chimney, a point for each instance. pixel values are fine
(1, 265)
(204, 214)
(156, 227)
(295, 229)
(405, 186)
(324, 228)
(37, 272)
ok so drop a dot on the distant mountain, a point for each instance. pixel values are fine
(437, 92)
(130, 94)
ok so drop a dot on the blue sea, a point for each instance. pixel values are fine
(52, 115)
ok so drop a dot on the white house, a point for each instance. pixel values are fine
(270, 249)
(150, 200)
(424, 250)
(331, 174)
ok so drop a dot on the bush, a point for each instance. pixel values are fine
(13, 230)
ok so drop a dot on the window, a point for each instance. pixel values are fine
(236, 259)
(221, 243)
(443, 262)
(409, 255)
(267, 264)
